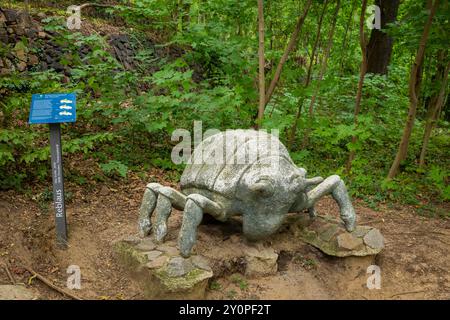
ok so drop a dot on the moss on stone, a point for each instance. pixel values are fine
(185, 282)
(156, 283)
(128, 255)
(323, 235)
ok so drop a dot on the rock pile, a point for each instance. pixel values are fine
(164, 274)
(25, 45)
(161, 271)
(260, 263)
(15, 26)
(122, 49)
(329, 235)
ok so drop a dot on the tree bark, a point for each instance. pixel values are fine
(325, 58)
(316, 42)
(262, 91)
(286, 52)
(446, 109)
(322, 69)
(436, 103)
(362, 74)
(404, 143)
(308, 77)
(348, 27)
(379, 49)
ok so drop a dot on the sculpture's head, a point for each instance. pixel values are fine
(267, 192)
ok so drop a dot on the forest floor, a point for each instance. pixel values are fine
(415, 263)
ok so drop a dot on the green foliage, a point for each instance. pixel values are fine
(114, 167)
(439, 178)
(240, 281)
(215, 285)
(231, 294)
(203, 66)
(147, 13)
(307, 263)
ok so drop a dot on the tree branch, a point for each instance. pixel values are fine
(50, 284)
(286, 52)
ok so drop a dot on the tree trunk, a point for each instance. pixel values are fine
(262, 91)
(316, 41)
(445, 109)
(436, 103)
(326, 56)
(308, 78)
(380, 44)
(286, 52)
(362, 74)
(322, 69)
(348, 27)
(404, 143)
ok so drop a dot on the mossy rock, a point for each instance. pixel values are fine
(129, 256)
(157, 283)
(190, 286)
(329, 235)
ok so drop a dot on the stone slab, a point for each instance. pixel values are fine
(329, 235)
(16, 292)
(161, 273)
(260, 262)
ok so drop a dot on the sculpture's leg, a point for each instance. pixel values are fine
(146, 210)
(162, 213)
(311, 210)
(336, 187)
(167, 199)
(301, 203)
(196, 205)
(158, 199)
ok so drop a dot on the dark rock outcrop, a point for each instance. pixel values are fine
(25, 45)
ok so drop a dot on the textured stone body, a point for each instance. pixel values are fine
(240, 172)
(220, 161)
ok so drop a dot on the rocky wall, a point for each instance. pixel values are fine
(25, 45)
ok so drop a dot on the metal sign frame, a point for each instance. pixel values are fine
(54, 109)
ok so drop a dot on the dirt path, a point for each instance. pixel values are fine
(414, 264)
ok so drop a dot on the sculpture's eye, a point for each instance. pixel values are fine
(263, 187)
(294, 178)
(297, 183)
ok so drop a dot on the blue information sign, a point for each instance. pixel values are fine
(53, 108)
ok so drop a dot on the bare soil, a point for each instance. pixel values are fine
(415, 263)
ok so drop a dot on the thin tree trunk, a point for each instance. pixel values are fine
(262, 91)
(269, 11)
(180, 16)
(316, 42)
(286, 52)
(380, 44)
(362, 73)
(344, 42)
(322, 69)
(404, 143)
(325, 59)
(294, 125)
(432, 114)
(308, 78)
(444, 107)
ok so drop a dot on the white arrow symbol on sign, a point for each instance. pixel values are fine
(66, 101)
(65, 113)
(65, 107)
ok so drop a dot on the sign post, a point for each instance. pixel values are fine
(54, 109)
(58, 185)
